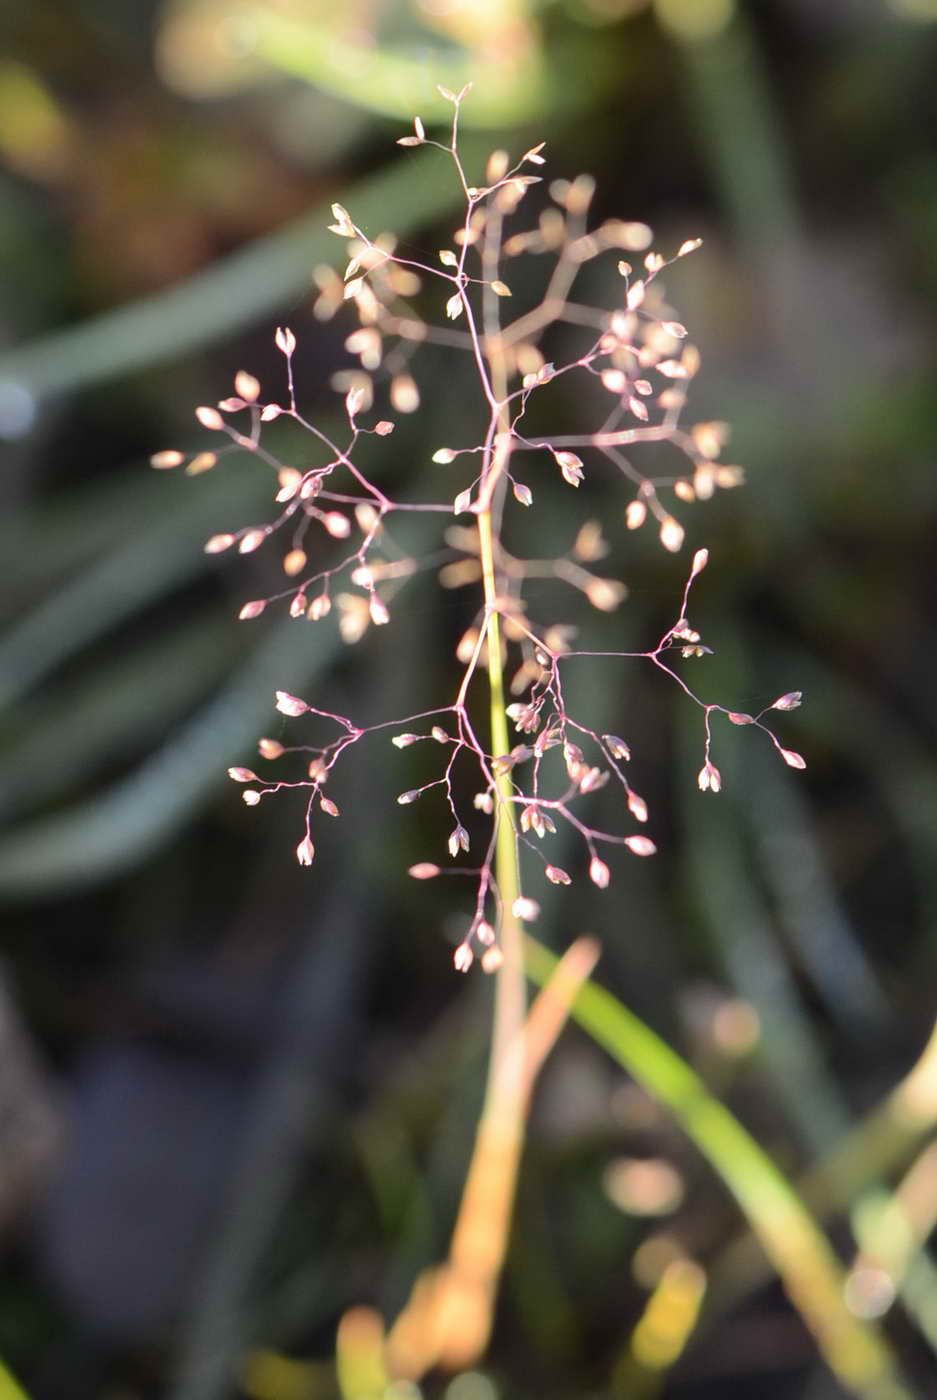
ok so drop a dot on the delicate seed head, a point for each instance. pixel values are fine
(319, 607)
(243, 775)
(404, 395)
(424, 870)
(202, 462)
(492, 958)
(736, 718)
(640, 845)
(406, 798)
(599, 873)
(671, 534)
(251, 540)
(305, 851)
(298, 605)
(525, 909)
(294, 562)
(444, 455)
(270, 748)
(789, 701)
(485, 934)
(605, 593)
(616, 747)
(571, 467)
(247, 386)
(557, 876)
(497, 166)
(327, 806)
(792, 759)
(218, 543)
(209, 418)
(463, 957)
(162, 461)
(250, 796)
(252, 609)
(637, 807)
(290, 704)
(338, 525)
(635, 515)
(285, 340)
(709, 778)
(592, 779)
(378, 610)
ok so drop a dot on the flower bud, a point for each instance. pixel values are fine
(709, 778)
(792, 759)
(556, 876)
(290, 704)
(463, 957)
(599, 873)
(492, 958)
(424, 870)
(640, 845)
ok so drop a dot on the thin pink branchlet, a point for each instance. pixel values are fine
(636, 358)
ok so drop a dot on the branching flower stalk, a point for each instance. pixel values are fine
(625, 346)
(633, 368)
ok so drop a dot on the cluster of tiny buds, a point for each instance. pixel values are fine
(335, 514)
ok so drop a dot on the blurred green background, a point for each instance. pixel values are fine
(238, 1098)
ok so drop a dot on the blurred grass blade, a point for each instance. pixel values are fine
(173, 671)
(231, 293)
(110, 832)
(742, 933)
(395, 83)
(805, 897)
(9, 1388)
(108, 592)
(798, 1249)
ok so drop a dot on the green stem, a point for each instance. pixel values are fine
(509, 996)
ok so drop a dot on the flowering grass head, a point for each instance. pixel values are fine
(506, 796)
